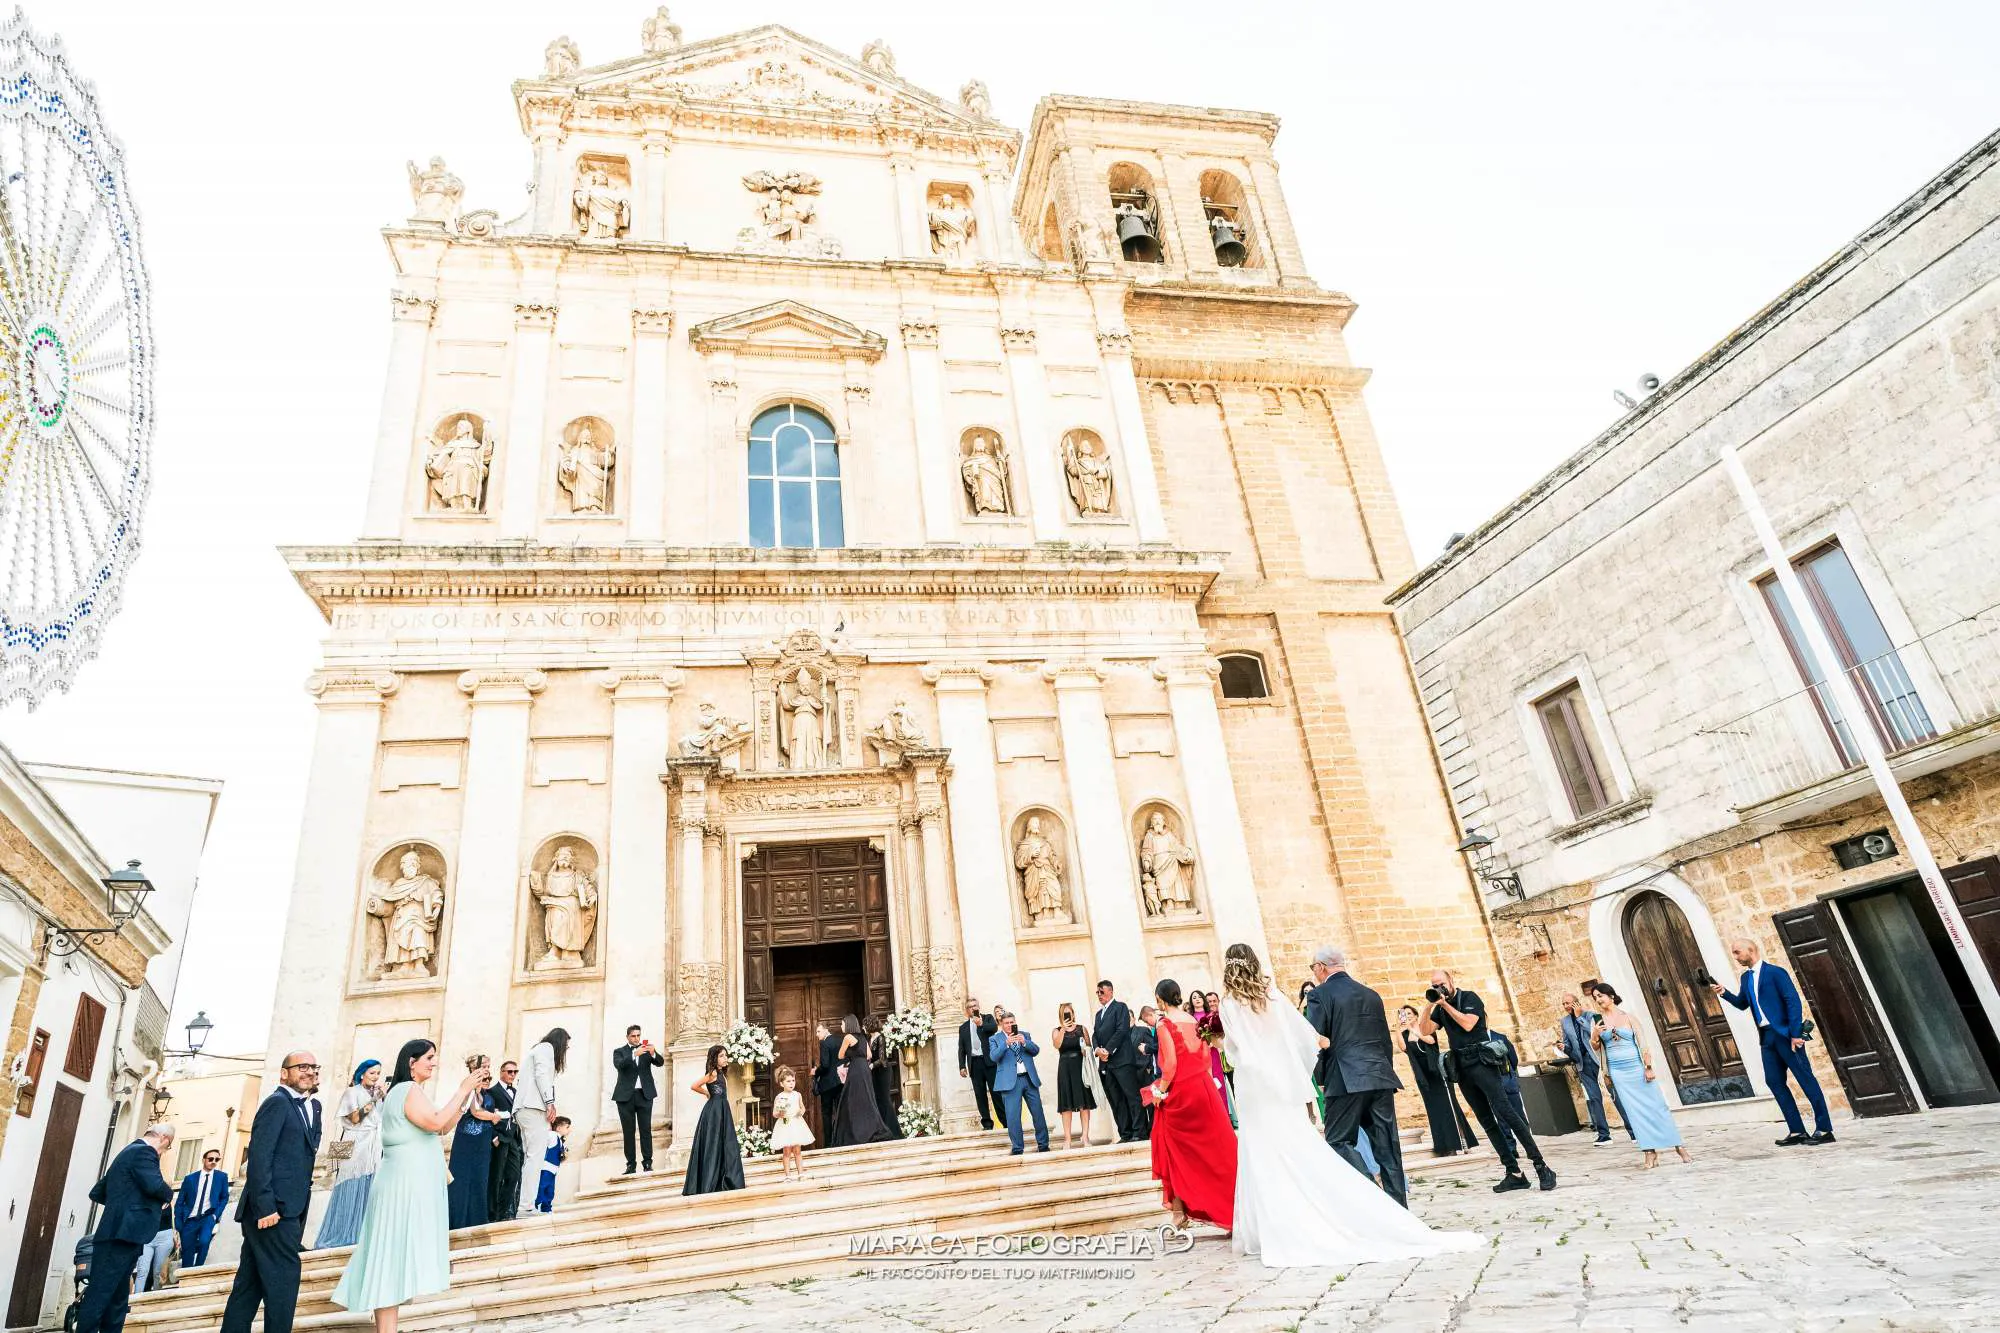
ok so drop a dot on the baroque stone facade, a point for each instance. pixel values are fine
(837, 559)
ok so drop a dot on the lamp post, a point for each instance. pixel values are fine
(126, 890)
(162, 1099)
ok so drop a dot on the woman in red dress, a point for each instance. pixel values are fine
(1194, 1149)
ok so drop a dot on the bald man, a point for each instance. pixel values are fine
(1767, 992)
(132, 1194)
(277, 1188)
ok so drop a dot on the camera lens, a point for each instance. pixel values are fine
(1433, 994)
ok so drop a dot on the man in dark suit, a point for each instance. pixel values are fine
(1575, 1033)
(1768, 993)
(198, 1207)
(132, 1193)
(635, 1094)
(1017, 1081)
(826, 1078)
(277, 1187)
(1145, 1066)
(1356, 1069)
(1111, 1043)
(974, 1032)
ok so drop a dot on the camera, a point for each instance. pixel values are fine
(1433, 994)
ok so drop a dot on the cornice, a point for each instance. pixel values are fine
(341, 575)
(1270, 371)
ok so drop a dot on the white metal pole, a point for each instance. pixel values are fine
(1861, 729)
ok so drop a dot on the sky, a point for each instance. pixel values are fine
(1532, 204)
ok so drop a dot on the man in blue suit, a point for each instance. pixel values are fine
(198, 1207)
(131, 1193)
(277, 1188)
(1013, 1053)
(1768, 993)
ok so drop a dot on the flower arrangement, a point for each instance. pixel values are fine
(906, 1029)
(1209, 1028)
(917, 1120)
(748, 1044)
(755, 1141)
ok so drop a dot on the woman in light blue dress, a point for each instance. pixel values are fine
(405, 1245)
(1629, 1070)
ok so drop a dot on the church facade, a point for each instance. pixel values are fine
(832, 554)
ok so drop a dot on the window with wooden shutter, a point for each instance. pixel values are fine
(1573, 744)
(38, 1050)
(81, 1061)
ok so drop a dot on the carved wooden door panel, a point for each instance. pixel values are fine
(31, 1265)
(1698, 1045)
(1843, 1012)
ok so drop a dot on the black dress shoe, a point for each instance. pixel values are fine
(1545, 1176)
(1514, 1180)
(1793, 1140)
(1824, 1136)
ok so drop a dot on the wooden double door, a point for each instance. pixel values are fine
(815, 949)
(1700, 1049)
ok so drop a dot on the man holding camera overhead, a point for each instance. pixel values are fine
(1479, 1062)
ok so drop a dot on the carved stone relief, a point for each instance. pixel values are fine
(435, 192)
(982, 468)
(659, 33)
(898, 731)
(562, 885)
(1166, 864)
(1087, 463)
(698, 999)
(1038, 861)
(405, 907)
(785, 215)
(947, 982)
(586, 465)
(457, 461)
(601, 203)
(715, 736)
(877, 58)
(561, 59)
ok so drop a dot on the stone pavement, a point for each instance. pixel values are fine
(1894, 1227)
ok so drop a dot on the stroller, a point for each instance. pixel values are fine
(80, 1267)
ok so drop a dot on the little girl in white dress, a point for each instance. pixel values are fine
(789, 1131)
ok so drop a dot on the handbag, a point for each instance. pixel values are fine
(340, 1150)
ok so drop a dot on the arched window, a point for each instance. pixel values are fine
(794, 479)
(1243, 677)
(1226, 215)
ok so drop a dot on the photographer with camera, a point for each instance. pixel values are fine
(1773, 1000)
(1478, 1061)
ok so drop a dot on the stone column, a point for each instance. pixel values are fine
(937, 452)
(1148, 515)
(912, 236)
(764, 708)
(1038, 447)
(652, 210)
(711, 479)
(1284, 257)
(999, 238)
(978, 868)
(521, 449)
(485, 947)
(698, 979)
(947, 997)
(1105, 860)
(545, 135)
(632, 928)
(398, 455)
(643, 458)
(314, 967)
(1218, 825)
(1180, 183)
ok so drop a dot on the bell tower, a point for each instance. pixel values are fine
(1156, 192)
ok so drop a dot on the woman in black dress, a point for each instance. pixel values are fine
(1450, 1134)
(882, 1064)
(472, 1160)
(1073, 1095)
(856, 1118)
(715, 1159)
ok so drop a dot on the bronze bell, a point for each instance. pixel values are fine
(1230, 251)
(1135, 235)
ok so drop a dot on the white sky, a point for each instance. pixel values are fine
(1532, 204)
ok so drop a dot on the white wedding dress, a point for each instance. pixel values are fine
(1298, 1203)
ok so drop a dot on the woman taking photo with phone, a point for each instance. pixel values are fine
(1628, 1069)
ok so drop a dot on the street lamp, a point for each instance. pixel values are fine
(127, 890)
(1488, 867)
(197, 1035)
(161, 1101)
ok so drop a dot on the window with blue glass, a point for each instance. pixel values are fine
(794, 479)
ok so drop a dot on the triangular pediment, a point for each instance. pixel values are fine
(790, 329)
(772, 68)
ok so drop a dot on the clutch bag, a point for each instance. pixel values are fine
(340, 1150)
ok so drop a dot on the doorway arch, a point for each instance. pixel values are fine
(1699, 1049)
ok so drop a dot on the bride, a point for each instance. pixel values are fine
(1298, 1203)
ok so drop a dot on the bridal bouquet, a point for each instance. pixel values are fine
(906, 1029)
(1209, 1028)
(748, 1044)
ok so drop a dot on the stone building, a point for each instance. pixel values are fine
(1614, 682)
(826, 557)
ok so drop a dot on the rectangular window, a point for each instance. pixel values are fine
(1873, 666)
(1573, 743)
(189, 1159)
(38, 1051)
(81, 1061)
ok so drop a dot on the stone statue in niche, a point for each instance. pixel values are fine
(436, 193)
(601, 208)
(951, 225)
(785, 215)
(457, 467)
(974, 98)
(1041, 867)
(567, 895)
(898, 731)
(1088, 465)
(1166, 868)
(805, 700)
(561, 59)
(877, 58)
(715, 736)
(659, 34)
(584, 468)
(984, 472)
(409, 908)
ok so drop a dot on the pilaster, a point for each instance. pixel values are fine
(1286, 260)
(1104, 856)
(711, 479)
(1148, 514)
(698, 979)
(978, 865)
(522, 448)
(412, 310)
(1212, 808)
(945, 980)
(644, 457)
(651, 222)
(937, 462)
(1038, 447)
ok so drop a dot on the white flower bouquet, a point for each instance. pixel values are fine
(906, 1029)
(917, 1120)
(748, 1044)
(755, 1141)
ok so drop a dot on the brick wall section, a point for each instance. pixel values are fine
(1350, 832)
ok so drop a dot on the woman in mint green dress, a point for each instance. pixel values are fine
(405, 1246)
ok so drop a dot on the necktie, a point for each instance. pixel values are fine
(1757, 1005)
(201, 1195)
